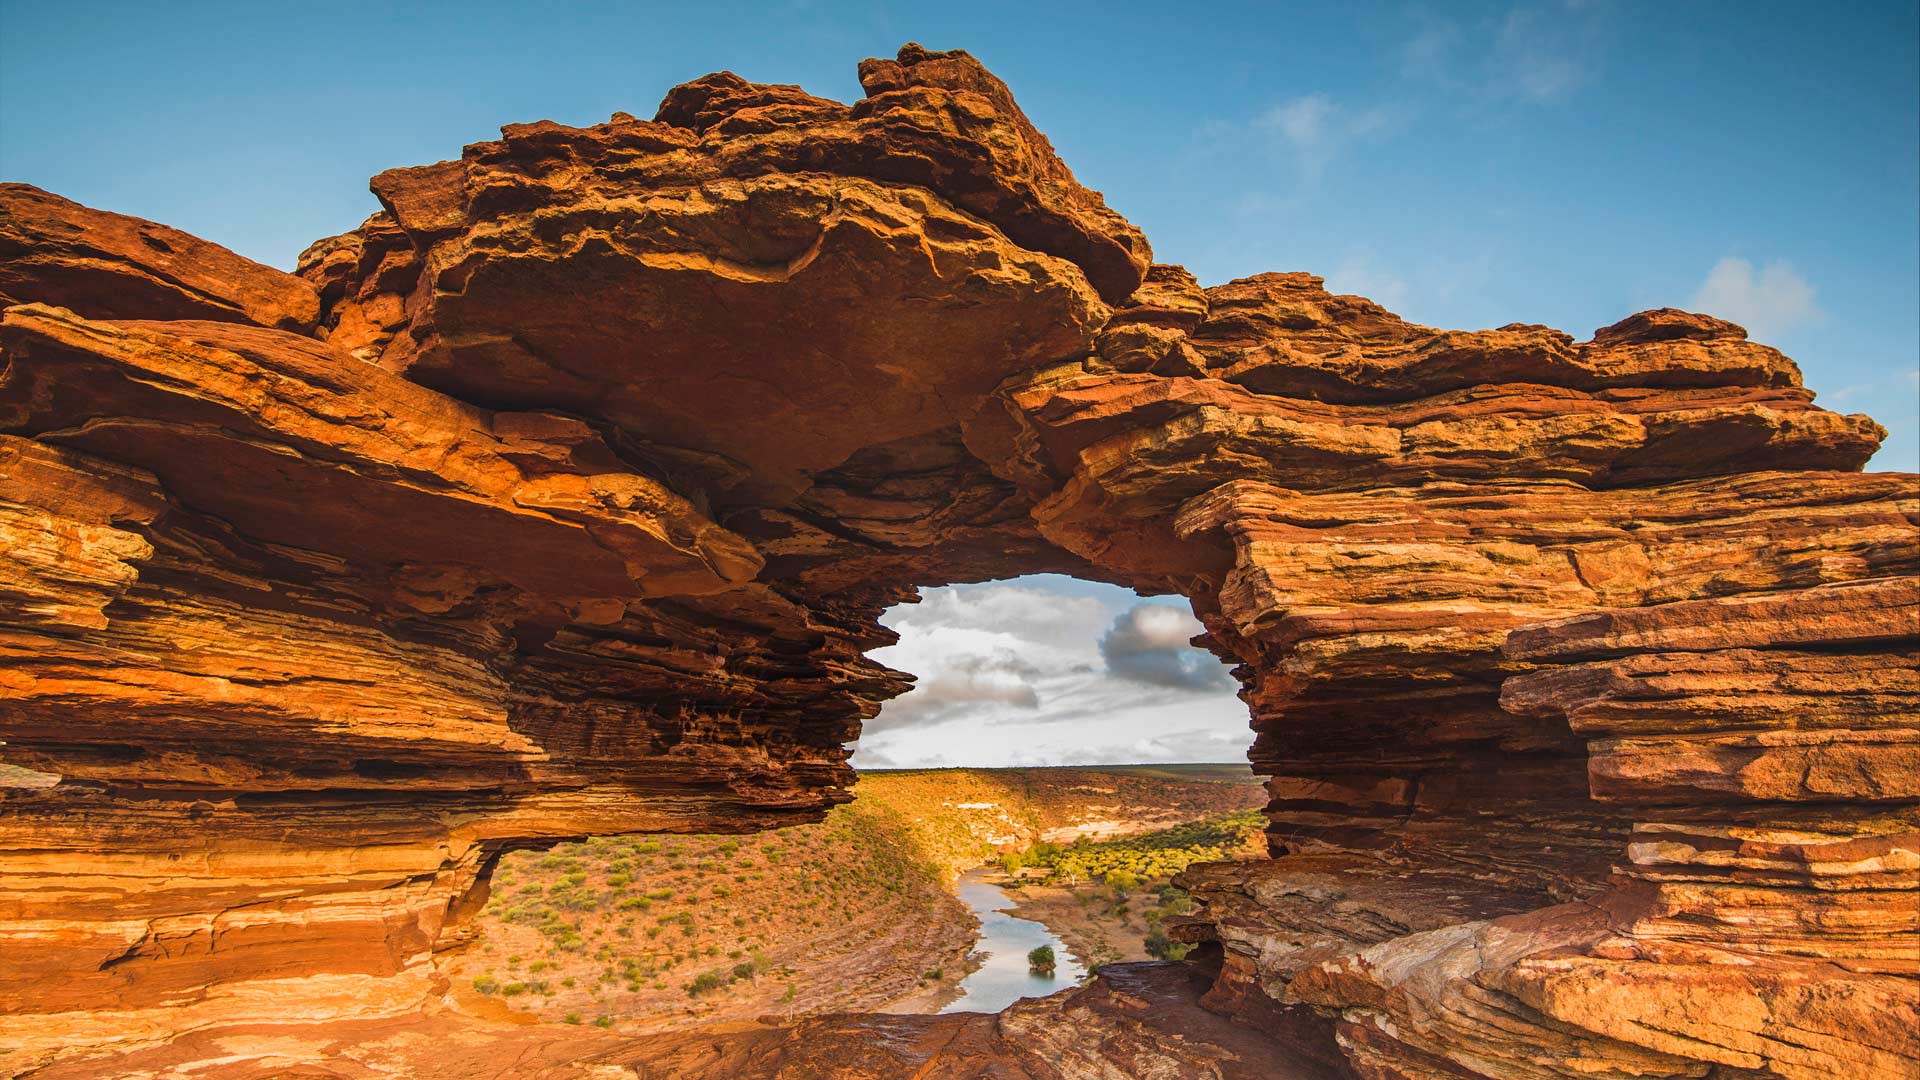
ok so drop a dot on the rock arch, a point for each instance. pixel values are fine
(563, 495)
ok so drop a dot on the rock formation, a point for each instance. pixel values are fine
(563, 495)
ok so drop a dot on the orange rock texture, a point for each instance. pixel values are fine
(562, 498)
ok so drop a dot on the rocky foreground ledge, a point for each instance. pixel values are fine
(562, 498)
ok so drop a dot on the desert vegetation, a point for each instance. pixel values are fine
(1127, 861)
(1110, 900)
(856, 911)
(678, 927)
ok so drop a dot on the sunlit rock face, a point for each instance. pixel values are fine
(563, 497)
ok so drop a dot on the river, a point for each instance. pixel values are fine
(1004, 977)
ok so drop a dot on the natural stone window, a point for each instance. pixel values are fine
(563, 498)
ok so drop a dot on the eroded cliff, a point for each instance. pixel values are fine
(562, 498)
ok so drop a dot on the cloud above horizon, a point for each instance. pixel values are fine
(1149, 644)
(1532, 54)
(1313, 129)
(1769, 302)
(1523, 56)
(1051, 671)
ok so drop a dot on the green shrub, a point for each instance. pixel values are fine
(1153, 855)
(704, 982)
(486, 984)
(571, 1018)
(574, 898)
(1161, 947)
(1041, 960)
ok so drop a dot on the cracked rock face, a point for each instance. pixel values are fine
(563, 496)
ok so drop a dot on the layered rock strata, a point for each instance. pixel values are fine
(1138, 1020)
(562, 497)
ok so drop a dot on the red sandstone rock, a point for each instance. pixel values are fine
(1139, 1020)
(1283, 334)
(110, 266)
(1582, 670)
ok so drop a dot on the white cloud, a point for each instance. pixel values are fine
(1428, 54)
(1361, 275)
(1001, 677)
(1194, 744)
(1302, 120)
(1151, 627)
(1534, 54)
(1768, 303)
(1149, 644)
(1049, 671)
(1542, 59)
(986, 650)
(1421, 285)
(1210, 727)
(1023, 611)
(960, 667)
(1314, 128)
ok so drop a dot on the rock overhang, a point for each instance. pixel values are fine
(573, 505)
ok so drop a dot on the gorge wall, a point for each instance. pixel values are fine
(562, 498)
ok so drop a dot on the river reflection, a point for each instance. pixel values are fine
(1004, 978)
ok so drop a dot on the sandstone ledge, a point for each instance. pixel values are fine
(563, 496)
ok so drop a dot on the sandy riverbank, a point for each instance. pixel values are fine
(1083, 917)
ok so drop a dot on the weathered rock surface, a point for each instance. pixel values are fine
(111, 266)
(1139, 1020)
(562, 497)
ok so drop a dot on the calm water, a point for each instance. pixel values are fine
(1004, 979)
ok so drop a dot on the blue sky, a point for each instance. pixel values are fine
(1466, 164)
